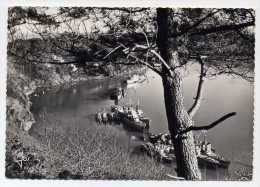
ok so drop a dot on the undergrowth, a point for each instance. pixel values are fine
(99, 153)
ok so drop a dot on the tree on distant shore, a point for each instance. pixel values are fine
(219, 39)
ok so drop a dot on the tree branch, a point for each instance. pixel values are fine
(146, 38)
(142, 47)
(128, 10)
(127, 50)
(175, 177)
(222, 28)
(194, 108)
(251, 14)
(61, 63)
(147, 64)
(112, 51)
(196, 24)
(206, 127)
(162, 60)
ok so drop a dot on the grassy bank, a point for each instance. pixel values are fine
(70, 153)
(100, 152)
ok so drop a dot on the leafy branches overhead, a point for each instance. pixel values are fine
(217, 31)
(73, 12)
(206, 21)
(220, 34)
(22, 15)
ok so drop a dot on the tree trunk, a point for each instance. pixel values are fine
(177, 116)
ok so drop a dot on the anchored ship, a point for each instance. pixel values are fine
(161, 147)
(131, 117)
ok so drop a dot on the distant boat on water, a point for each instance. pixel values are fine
(161, 147)
(131, 118)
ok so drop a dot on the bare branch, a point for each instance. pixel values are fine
(146, 38)
(61, 63)
(142, 47)
(115, 49)
(234, 73)
(206, 127)
(127, 9)
(162, 60)
(127, 50)
(222, 28)
(175, 177)
(147, 64)
(194, 108)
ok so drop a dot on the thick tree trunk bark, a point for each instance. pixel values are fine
(178, 118)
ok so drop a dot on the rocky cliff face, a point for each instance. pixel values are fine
(23, 80)
(17, 101)
(25, 158)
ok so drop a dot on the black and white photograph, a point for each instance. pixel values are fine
(130, 93)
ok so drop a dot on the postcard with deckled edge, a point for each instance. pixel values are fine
(103, 93)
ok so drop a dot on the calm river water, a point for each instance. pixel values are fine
(233, 138)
